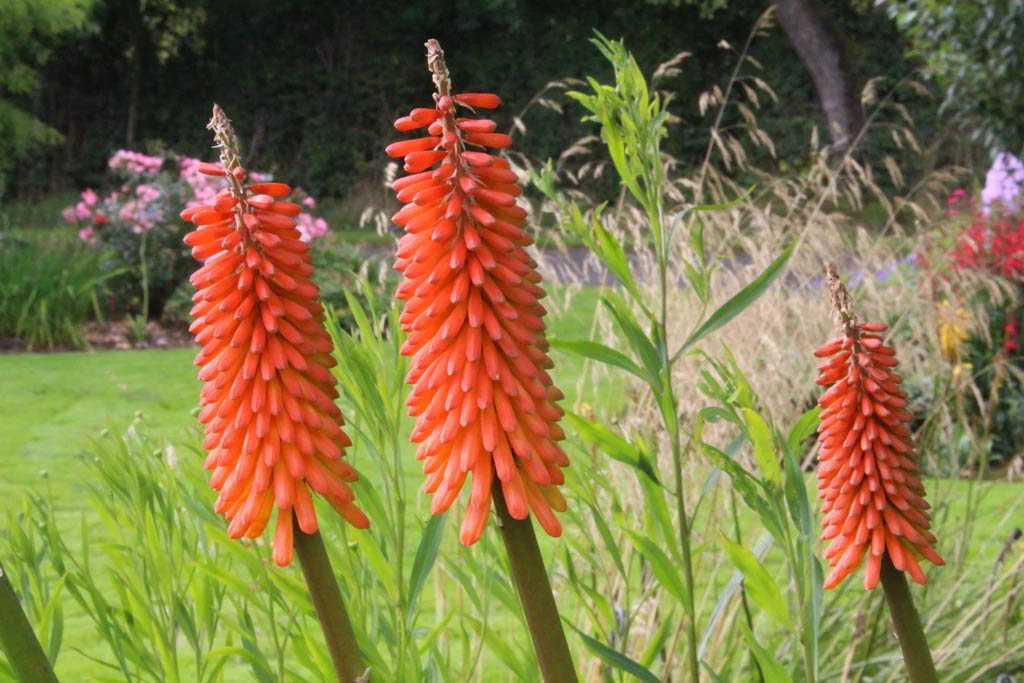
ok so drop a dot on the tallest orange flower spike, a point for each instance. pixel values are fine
(483, 401)
(273, 430)
(867, 471)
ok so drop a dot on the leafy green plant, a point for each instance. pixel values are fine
(633, 123)
(48, 291)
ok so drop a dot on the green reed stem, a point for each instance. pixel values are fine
(323, 589)
(907, 623)
(24, 653)
(535, 594)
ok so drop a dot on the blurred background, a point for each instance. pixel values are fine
(313, 86)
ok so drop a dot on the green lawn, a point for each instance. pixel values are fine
(53, 404)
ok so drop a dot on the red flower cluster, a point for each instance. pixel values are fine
(993, 243)
(482, 399)
(867, 474)
(273, 430)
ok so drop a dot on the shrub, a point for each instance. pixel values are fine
(990, 395)
(138, 223)
(48, 291)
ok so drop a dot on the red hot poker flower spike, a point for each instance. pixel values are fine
(483, 401)
(867, 472)
(273, 431)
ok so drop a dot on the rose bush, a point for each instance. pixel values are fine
(137, 224)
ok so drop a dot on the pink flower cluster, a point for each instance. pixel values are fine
(205, 188)
(147, 200)
(1004, 185)
(135, 163)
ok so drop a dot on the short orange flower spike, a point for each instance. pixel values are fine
(867, 472)
(273, 430)
(482, 399)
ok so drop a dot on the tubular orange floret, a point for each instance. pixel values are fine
(872, 496)
(272, 428)
(483, 403)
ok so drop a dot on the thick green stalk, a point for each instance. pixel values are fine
(907, 623)
(24, 653)
(535, 594)
(323, 589)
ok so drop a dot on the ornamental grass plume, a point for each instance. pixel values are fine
(867, 473)
(483, 401)
(273, 431)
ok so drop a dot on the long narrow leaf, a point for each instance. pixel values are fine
(741, 300)
(616, 659)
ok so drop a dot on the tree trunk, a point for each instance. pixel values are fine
(823, 51)
(135, 75)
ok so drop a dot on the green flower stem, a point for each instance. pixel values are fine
(534, 590)
(323, 589)
(24, 653)
(907, 623)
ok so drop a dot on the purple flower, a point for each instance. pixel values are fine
(1004, 183)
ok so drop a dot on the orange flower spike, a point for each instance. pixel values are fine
(483, 403)
(873, 500)
(273, 431)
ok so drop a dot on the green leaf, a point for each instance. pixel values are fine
(770, 667)
(602, 354)
(635, 337)
(725, 205)
(756, 580)
(656, 643)
(748, 487)
(609, 540)
(741, 300)
(613, 255)
(657, 508)
(616, 447)
(426, 555)
(804, 427)
(663, 568)
(764, 447)
(616, 659)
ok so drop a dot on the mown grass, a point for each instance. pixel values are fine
(55, 405)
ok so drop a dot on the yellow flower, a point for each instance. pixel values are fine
(953, 324)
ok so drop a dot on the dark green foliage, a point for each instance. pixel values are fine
(999, 374)
(27, 35)
(315, 85)
(974, 51)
